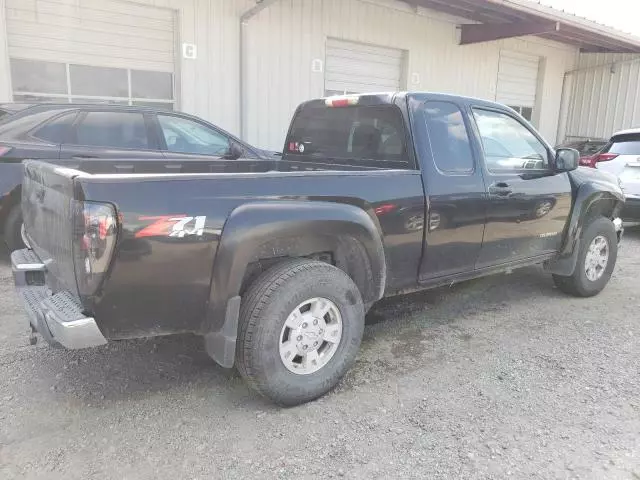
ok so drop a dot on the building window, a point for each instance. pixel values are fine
(525, 112)
(37, 81)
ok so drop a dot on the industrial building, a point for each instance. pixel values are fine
(246, 64)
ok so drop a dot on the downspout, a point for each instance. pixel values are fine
(244, 21)
(565, 108)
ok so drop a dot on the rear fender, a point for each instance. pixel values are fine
(260, 231)
(591, 201)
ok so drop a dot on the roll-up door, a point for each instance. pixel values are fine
(358, 68)
(91, 51)
(518, 81)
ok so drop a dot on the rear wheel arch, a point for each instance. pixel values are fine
(270, 230)
(346, 252)
(282, 230)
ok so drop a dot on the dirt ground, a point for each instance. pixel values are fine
(503, 377)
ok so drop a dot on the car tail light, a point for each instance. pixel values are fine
(96, 229)
(4, 150)
(586, 161)
(599, 157)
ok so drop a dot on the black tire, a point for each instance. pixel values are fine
(578, 284)
(13, 229)
(265, 307)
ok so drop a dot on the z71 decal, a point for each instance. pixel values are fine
(172, 226)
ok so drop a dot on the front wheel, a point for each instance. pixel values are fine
(301, 323)
(596, 260)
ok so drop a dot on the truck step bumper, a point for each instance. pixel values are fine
(58, 318)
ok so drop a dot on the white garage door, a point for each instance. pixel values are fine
(518, 81)
(357, 68)
(91, 51)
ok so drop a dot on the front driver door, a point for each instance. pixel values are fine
(528, 205)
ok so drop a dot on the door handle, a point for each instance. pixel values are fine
(501, 189)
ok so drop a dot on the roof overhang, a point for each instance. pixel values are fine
(497, 19)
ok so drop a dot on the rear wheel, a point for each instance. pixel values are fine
(13, 229)
(301, 323)
(596, 260)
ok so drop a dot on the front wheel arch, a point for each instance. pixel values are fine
(590, 203)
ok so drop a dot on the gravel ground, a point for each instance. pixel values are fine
(503, 377)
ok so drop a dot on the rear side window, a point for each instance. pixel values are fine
(448, 137)
(57, 130)
(624, 145)
(368, 136)
(114, 130)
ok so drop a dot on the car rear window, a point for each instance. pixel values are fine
(369, 136)
(624, 145)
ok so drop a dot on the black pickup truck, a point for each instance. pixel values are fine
(375, 195)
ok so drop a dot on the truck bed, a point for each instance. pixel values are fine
(164, 284)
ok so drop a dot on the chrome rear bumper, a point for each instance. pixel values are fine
(58, 317)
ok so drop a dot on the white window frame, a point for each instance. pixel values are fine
(69, 97)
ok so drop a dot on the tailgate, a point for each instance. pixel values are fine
(48, 212)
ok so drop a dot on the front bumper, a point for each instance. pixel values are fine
(57, 317)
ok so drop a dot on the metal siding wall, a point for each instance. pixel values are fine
(285, 37)
(606, 96)
(209, 85)
(5, 76)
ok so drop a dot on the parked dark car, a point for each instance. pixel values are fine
(586, 148)
(276, 269)
(109, 139)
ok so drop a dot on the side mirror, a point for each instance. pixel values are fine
(235, 151)
(567, 159)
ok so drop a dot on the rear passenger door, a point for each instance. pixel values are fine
(113, 141)
(454, 187)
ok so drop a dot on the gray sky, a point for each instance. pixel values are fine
(621, 14)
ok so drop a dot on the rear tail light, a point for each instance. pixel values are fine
(597, 158)
(96, 231)
(4, 150)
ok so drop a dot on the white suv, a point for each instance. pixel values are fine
(621, 157)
